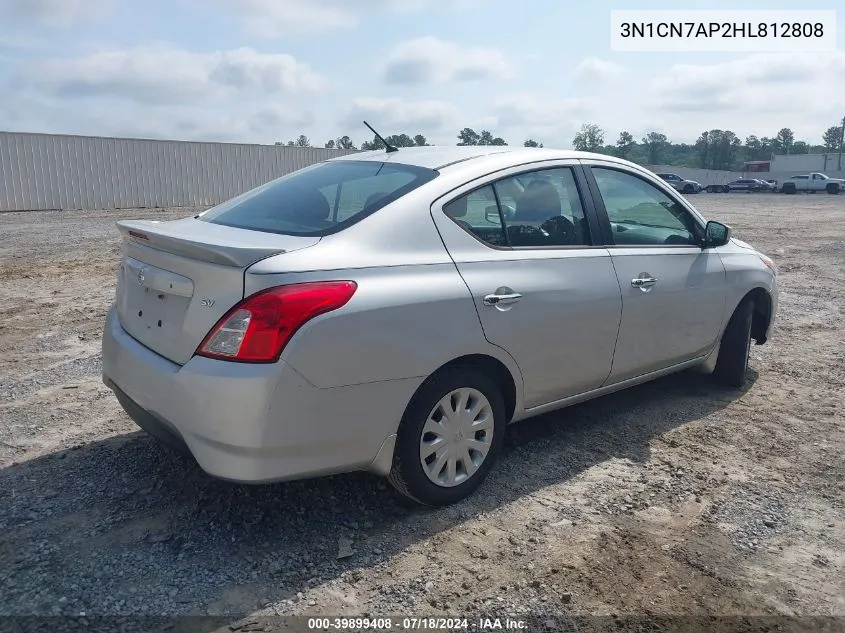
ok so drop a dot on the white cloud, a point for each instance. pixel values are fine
(169, 75)
(395, 116)
(593, 70)
(166, 92)
(776, 82)
(530, 110)
(431, 60)
(54, 13)
(20, 43)
(247, 123)
(757, 94)
(550, 121)
(275, 18)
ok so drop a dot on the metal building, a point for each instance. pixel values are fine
(802, 163)
(57, 171)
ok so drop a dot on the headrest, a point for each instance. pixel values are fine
(373, 198)
(539, 201)
(310, 208)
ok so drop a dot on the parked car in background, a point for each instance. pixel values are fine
(681, 184)
(774, 184)
(812, 183)
(392, 311)
(745, 184)
(765, 185)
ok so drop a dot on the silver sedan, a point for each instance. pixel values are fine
(393, 311)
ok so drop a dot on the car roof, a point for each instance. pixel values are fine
(439, 157)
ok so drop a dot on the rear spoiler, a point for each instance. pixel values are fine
(207, 242)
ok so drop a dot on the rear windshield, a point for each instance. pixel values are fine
(320, 199)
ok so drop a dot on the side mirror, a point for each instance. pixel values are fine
(716, 234)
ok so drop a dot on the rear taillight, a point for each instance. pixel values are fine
(257, 329)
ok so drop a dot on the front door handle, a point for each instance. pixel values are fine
(502, 299)
(643, 282)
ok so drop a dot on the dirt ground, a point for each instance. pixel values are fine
(673, 498)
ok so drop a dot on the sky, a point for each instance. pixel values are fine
(260, 71)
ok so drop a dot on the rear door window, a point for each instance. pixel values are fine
(533, 209)
(322, 199)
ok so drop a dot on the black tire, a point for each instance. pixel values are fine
(407, 474)
(726, 189)
(688, 189)
(710, 189)
(788, 188)
(732, 362)
(832, 188)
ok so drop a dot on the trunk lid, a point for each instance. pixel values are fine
(177, 278)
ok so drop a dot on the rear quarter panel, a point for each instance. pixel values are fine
(412, 312)
(402, 322)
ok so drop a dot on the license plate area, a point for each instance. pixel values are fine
(153, 301)
(155, 310)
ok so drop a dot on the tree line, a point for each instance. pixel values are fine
(714, 149)
(467, 136)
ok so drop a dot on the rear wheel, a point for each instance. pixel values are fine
(449, 437)
(732, 362)
(788, 188)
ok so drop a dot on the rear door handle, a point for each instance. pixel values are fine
(502, 299)
(643, 282)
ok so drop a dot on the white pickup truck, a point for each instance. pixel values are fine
(812, 183)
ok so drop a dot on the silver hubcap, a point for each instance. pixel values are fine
(456, 437)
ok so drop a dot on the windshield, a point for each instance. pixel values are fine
(322, 199)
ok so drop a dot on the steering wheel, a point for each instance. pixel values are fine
(560, 227)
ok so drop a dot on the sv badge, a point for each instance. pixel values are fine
(207, 303)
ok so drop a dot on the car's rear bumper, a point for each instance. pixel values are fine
(254, 423)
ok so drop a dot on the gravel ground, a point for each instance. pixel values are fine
(676, 497)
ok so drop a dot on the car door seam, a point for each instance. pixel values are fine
(472, 299)
(619, 324)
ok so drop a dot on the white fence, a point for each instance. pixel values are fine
(52, 171)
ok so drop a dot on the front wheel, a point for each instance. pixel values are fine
(832, 188)
(449, 437)
(732, 362)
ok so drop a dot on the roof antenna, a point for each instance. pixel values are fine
(387, 146)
